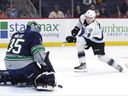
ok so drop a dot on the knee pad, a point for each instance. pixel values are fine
(45, 81)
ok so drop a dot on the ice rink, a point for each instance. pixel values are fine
(100, 80)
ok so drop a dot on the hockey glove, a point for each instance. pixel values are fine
(75, 31)
(71, 39)
(48, 67)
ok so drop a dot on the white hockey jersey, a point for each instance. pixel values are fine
(92, 31)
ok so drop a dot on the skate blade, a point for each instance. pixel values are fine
(80, 70)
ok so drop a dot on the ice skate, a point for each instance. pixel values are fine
(119, 68)
(81, 68)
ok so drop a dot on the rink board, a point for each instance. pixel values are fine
(54, 31)
(51, 44)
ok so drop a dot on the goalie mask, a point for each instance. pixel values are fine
(33, 26)
(90, 16)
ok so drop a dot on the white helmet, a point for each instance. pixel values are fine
(90, 13)
(90, 16)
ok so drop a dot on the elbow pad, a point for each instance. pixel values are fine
(75, 31)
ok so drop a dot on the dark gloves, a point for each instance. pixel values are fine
(71, 39)
(75, 31)
(48, 67)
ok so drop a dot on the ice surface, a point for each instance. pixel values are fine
(100, 80)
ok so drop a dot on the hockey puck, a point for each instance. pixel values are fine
(60, 86)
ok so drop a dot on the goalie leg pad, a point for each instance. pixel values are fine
(45, 81)
(6, 78)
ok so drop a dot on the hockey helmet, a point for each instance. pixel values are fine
(33, 26)
(90, 16)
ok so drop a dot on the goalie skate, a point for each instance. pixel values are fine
(81, 68)
(45, 88)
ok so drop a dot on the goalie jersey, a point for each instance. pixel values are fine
(22, 48)
(92, 31)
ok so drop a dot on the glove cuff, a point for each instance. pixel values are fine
(75, 31)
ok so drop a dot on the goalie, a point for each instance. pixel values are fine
(27, 62)
(92, 37)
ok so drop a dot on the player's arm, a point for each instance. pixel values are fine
(37, 49)
(75, 31)
(98, 34)
(39, 54)
(78, 27)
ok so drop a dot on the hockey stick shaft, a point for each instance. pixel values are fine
(64, 43)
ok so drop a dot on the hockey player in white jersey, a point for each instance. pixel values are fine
(92, 37)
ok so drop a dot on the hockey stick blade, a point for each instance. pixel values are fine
(64, 43)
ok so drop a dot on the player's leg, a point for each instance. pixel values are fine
(46, 80)
(110, 62)
(98, 49)
(25, 76)
(6, 78)
(29, 75)
(20, 77)
(81, 44)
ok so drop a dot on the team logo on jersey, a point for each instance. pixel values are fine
(3, 29)
(90, 30)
